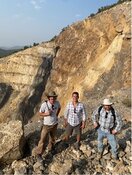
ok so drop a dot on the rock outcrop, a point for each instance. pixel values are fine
(11, 141)
(24, 75)
(94, 56)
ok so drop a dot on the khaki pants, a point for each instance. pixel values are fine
(46, 130)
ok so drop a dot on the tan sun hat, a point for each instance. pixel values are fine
(107, 102)
(51, 94)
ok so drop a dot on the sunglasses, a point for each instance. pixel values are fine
(106, 115)
(53, 107)
(75, 110)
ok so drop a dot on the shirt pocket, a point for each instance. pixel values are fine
(111, 118)
(79, 111)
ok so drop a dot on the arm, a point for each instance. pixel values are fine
(59, 108)
(66, 115)
(58, 111)
(118, 123)
(95, 116)
(42, 112)
(83, 117)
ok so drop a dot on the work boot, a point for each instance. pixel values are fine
(99, 155)
(39, 158)
(115, 157)
(77, 145)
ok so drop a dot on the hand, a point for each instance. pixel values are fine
(83, 125)
(114, 131)
(65, 124)
(95, 125)
(48, 113)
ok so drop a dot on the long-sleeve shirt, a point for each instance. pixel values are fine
(106, 123)
(75, 115)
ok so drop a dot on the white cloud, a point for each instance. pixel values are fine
(37, 4)
(78, 15)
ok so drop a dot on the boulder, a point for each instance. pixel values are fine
(19, 167)
(11, 141)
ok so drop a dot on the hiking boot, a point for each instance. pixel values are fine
(77, 145)
(39, 158)
(115, 157)
(99, 155)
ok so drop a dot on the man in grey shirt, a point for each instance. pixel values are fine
(49, 111)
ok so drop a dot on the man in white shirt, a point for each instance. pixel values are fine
(74, 118)
(49, 111)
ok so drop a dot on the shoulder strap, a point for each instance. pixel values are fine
(99, 109)
(47, 104)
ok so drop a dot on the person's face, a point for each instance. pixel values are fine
(75, 97)
(107, 107)
(52, 99)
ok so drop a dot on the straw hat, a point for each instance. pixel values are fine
(107, 102)
(51, 94)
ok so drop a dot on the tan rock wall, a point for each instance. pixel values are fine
(89, 50)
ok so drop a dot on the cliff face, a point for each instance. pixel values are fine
(93, 59)
(23, 77)
(94, 56)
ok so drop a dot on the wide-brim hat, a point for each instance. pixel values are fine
(107, 102)
(51, 94)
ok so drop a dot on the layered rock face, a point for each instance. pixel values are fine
(94, 56)
(23, 77)
(91, 56)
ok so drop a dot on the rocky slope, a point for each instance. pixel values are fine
(65, 159)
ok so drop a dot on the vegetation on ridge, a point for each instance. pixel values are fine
(101, 9)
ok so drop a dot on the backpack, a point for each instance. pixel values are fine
(112, 111)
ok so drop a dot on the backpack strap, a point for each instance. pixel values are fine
(99, 109)
(47, 104)
(113, 113)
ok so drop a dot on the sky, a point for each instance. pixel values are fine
(23, 22)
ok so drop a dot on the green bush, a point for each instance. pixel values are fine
(52, 39)
(101, 9)
(92, 14)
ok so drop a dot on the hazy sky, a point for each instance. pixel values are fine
(23, 22)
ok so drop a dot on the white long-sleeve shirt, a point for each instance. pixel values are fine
(75, 115)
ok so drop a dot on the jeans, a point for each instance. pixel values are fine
(111, 139)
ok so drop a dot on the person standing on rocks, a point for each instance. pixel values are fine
(74, 118)
(108, 123)
(49, 111)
